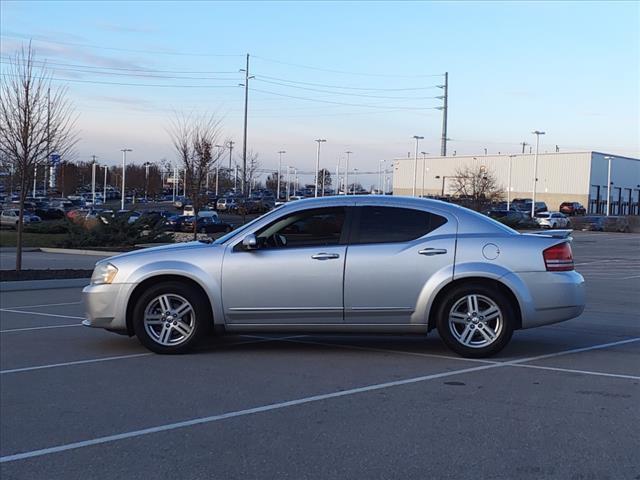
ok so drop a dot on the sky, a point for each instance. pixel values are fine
(362, 75)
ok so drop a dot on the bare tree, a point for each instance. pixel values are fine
(36, 120)
(193, 138)
(476, 186)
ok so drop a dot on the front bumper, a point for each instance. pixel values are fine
(105, 306)
(548, 297)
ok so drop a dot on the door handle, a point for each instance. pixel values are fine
(325, 256)
(432, 251)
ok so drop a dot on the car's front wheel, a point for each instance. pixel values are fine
(475, 320)
(170, 317)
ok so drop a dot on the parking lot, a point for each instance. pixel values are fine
(560, 401)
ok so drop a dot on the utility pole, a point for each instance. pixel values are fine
(535, 172)
(445, 109)
(524, 144)
(346, 175)
(146, 178)
(231, 142)
(93, 181)
(415, 164)
(244, 136)
(280, 153)
(319, 140)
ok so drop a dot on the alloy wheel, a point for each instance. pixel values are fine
(169, 319)
(475, 321)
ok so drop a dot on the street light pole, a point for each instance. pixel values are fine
(124, 163)
(93, 181)
(104, 188)
(319, 140)
(280, 153)
(288, 196)
(146, 179)
(219, 147)
(608, 158)
(424, 167)
(346, 175)
(355, 179)
(537, 133)
(415, 165)
(509, 184)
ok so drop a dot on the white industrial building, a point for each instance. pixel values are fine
(562, 177)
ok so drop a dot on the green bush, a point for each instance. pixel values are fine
(48, 227)
(118, 232)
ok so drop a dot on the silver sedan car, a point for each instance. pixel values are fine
(344, 264)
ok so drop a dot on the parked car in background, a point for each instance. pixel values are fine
(552, 220)
(572, 208)
(445, 267)
(606, 224)
(227, 204)
(205, 225)
(513, 218)
(188, 210)
(10, 218)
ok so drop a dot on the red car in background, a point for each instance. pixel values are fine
(572, 208)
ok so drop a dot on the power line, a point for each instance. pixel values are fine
(46, 62)
(341, 103)
(97, 82)
(346, 72)
(155, 52)
(144, 75)
(343, 93)
(347, 88)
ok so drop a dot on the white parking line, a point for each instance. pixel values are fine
(39, 313)
(40, 328)
(122, 357)
(583, 372)
(47, 305)
(77, 362)
(290, 403)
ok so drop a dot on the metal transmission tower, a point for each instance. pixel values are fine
(244, 136)
(445, 109)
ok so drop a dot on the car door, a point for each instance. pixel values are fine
(392, 254)
(294, 277)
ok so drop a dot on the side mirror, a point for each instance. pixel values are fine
(250, 242)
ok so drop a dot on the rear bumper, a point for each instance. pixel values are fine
(548, 297)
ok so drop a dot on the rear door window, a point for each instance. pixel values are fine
(393, 224)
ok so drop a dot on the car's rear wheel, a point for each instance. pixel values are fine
(475, 320)
(170, 317)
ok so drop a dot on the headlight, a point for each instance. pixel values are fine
(103, 273)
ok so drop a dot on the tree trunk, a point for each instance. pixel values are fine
(23, 195)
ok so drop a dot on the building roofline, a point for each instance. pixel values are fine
(479, 156)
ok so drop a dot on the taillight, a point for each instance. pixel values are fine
(558, 258)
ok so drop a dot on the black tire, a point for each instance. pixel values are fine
(507, 314)
(201, 320)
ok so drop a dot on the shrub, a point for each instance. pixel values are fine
(117, 232)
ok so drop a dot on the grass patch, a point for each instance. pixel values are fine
(8, 239)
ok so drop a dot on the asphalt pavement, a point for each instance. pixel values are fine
(559, 402)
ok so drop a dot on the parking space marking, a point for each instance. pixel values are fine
(291, 403)
(234, 414)
(77, 362)
(123, 357)
(9, 310)
(583, 372)
(40, 328)
(47, 305)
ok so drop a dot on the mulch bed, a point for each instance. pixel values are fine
(12, 275)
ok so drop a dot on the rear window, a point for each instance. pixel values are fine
(392, 224)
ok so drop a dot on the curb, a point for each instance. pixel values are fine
(75, 251)
(43, 284)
